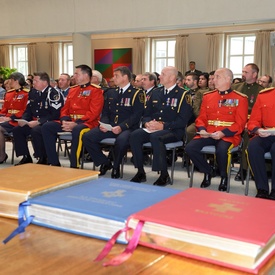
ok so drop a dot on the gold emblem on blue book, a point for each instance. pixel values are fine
(117, 193)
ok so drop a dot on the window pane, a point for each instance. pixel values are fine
(161, 49)
(171, 62)
(20, 59)
(249, 45)
(171, 48)
(236, 64)
(236, 45)
(163, 53)
(240, 52)
(70, 52)
(70, 68)
(21, 54)
(160, 63)
(248, 59)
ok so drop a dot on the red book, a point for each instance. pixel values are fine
(226, 229)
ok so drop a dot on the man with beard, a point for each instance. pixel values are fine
(251, 88)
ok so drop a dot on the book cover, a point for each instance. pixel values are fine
(231, 230)
(95, 208)
(18, 183)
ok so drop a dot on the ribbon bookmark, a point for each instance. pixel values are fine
(23, 221)
(126, 254)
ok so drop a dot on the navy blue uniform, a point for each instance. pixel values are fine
(42, 106)
(119, 110)
(174, 111)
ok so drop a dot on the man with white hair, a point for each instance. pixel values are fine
(96, 78)
(166, 115)
(221, 121)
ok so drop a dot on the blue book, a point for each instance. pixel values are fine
(97, 208)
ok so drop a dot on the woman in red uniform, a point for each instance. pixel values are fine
(13, 108)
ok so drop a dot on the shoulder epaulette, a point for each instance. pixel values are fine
(209, 92)
(10, 90)
(26, 90)
(97, 86)
(73, 86)
(266, 90)
(239, 93)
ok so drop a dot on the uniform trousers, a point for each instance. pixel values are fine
(158, 140)
(6, 127)
(91, 142)
(49, 132)
(193, 149)
(257, 147)
(20, 136)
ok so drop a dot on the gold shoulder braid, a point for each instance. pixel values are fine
(266, 90)
(239, 93)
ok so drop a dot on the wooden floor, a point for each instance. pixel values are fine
(46, 251)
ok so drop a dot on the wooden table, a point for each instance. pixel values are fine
(46, 251)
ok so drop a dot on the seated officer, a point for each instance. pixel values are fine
(13, 108)
(44, 104)
(166, 115)
(262, 117)
(221, 121)
(80, 113)
(123, 108)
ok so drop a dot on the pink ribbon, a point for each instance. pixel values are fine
(126, 254)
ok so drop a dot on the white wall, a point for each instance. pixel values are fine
(56, 17)
(113, 24)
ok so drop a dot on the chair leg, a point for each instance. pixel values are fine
(191, 175)
(247, 181)
(12, 152)
(173, 164)
(82, 158)
(229, 175)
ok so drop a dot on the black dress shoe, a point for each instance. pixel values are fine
(105, 167)
(42, 161)
(223, 184)
(206, 181)
(139, 177)
(57, 164)
(262, 194)
(163, 180)
(238, 177)
(24, 160)
(115, 173)
(272, 195)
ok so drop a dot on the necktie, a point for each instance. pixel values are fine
(166, 91)
(121, 91)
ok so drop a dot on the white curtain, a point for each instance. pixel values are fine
(262, 53)
(214, 47)
(139, 56)
(4, 56)
(54, 60)
(181, 53)
(32, 64)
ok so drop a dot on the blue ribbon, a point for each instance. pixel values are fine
(23, 221)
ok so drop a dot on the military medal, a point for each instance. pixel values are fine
(252, 99)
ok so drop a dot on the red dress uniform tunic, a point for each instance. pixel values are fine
(223, 111)
(262, 115)
(15, 104)
(84, 104)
